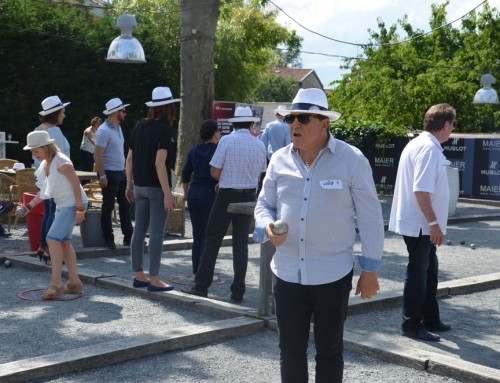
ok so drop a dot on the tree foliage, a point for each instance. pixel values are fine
(247, 38)
(397, 82)
(50, 48)
(272, 88)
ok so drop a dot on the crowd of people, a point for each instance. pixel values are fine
(305, 177)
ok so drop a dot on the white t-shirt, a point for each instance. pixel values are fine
(56, 185)
(422, 167)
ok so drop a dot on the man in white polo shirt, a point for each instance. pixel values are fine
(420, 213)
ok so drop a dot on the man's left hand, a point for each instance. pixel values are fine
(367, 285)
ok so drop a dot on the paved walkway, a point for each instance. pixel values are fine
(113, 316)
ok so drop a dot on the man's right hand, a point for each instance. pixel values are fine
(437, 236)
(276, 240)
(103, 182)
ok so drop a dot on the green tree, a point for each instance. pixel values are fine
(247, 38)
(397, 82)
(272, 88)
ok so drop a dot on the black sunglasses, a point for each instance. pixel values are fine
(302, 118)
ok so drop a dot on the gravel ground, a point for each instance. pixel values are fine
(34, 328)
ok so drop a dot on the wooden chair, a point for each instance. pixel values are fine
(6, 183)
(7, 162)
(176, 219)
(25, 179)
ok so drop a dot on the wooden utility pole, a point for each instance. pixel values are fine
(198, 26)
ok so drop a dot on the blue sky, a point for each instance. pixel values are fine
(350, 20)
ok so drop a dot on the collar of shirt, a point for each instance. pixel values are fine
(111, 125)
(433, 138)
(330, 145)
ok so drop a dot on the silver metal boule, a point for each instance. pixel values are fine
(280, 227)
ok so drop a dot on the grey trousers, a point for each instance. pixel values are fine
(150, 215)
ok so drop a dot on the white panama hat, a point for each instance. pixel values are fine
(243, 114)
(313, 101)
(37, 138)
(52, 104)
(280, 108)
(114, 105)
(162, 95)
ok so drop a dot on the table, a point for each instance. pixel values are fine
(11, 173)
(82, 175)
(86, 176)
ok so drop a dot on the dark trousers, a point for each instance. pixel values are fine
(218, 223)
(117, 183)
(419, 296)
(327, 304)
(87, 160)
(49, 213)
(199, 212)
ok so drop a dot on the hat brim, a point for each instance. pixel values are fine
(54, 109)
(108, 112)
(160, 103)
(333, 116)
(50, 141)
(244, 119)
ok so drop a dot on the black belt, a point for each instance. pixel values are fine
(240, 190)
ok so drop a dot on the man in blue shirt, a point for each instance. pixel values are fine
(323, 188)
(109, 159)
(277, 134)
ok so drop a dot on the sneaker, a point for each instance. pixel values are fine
(110, 243)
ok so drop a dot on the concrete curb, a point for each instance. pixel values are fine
(122, 350)
(431, 362)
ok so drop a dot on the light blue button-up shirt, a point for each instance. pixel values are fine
(322, 206)
(275, 136)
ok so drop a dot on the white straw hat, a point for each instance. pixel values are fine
(313, 101)
(162, 96)
(114, 105)
(243, 114)
(37, 138)
(52, 104)
(281, 108)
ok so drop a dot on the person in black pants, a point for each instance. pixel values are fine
(238, 162)
(199, 186)
(109, 159)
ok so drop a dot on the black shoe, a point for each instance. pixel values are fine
(193, 291)
(438, 327)
(421, 334)
(236, 298)
(127, 240)
(110, 243)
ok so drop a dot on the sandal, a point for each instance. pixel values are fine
(71, 288)
(40, 253)
(53, 292)
(45, 256)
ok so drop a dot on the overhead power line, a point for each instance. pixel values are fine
(368, 44)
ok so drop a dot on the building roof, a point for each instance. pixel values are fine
(298, 74)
